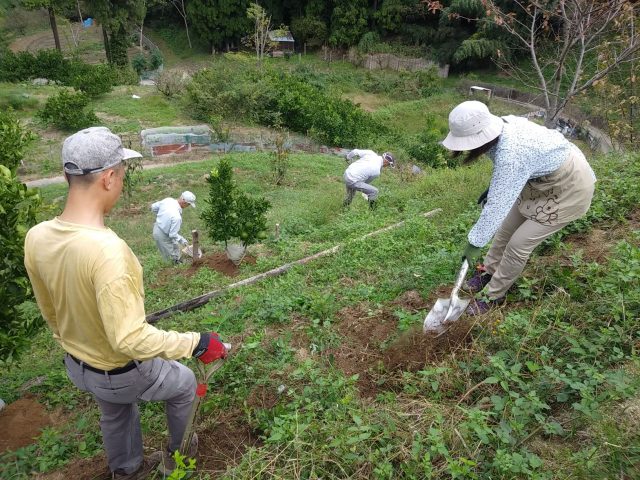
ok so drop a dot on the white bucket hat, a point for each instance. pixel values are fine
(471, 125)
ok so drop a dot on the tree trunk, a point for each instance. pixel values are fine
(105, 39)
(186, 27)
(54, 28)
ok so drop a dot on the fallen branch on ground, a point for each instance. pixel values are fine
(203, 299)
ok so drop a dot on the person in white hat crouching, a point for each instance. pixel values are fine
(540, 183)
(359, 174)
(166, 229)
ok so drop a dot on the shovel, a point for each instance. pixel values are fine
(202, 379)
(447, 310)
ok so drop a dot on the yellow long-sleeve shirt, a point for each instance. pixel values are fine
(88, 285)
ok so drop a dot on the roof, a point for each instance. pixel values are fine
(280, 36)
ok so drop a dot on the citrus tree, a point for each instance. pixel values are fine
(231, 213)
(18, 209)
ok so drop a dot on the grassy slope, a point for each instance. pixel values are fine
(543, 389)
(277, 319)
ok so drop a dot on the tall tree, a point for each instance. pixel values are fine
(180, 7)
(564, 39)
(52, 7)
(261, 27)
(221, 23)
(349, 21)
(118, 19)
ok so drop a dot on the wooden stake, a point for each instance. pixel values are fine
(195, 246)
(277, 235)
(203, 299)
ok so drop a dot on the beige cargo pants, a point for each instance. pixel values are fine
(545, 206)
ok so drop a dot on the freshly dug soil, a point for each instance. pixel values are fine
(21, 422)
(219, 262)
(94, 468)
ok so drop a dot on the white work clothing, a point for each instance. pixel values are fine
(167, 227)
(365, 169)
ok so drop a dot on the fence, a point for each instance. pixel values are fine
(378, 61)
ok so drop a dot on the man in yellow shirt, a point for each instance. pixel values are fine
(88, 285)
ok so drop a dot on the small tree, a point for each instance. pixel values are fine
(280, 158)
(565, 40)
(18, 209)
(219, 216)
(68, 111)
(261, 28)
(230, 213)
(14, 140)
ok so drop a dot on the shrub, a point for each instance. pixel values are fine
(155, 59)
(14, 140)
(125, 76)
(368, 42)
(16, 67)
(18, 209)
(171, 82)
(94, 80)
(426, 148)
(68, 111)
(18, 101)
(139, 63)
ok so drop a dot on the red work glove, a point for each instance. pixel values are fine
(210, 348)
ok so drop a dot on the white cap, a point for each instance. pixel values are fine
(471, 125)
(189, 197)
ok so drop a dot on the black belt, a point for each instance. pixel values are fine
(116, 371)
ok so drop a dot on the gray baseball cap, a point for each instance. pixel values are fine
(93, 150)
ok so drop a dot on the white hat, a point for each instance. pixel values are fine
(471, 125)
(93, 150)
(189, 197)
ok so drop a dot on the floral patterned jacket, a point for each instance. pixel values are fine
(525, 150)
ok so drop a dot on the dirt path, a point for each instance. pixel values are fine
(43, 182)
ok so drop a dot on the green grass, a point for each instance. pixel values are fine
(516, 402)
(126, 114)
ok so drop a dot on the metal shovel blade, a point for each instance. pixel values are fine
(447, 310)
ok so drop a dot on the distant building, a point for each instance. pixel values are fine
(282, 41)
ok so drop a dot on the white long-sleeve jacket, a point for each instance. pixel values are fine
(368, 166)
(169, 218)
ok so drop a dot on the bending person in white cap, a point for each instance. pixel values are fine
(166, 230)
(359, 175)
(88, 285)
(541, 182)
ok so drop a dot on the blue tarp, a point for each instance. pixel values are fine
(87, 22)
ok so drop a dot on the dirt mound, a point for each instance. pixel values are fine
(219, 262)
(372, 345)
(20, 422)
(413, 349)
(224, 444)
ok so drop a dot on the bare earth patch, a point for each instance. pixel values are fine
(223, 445)
(365, 350)
(21, 422)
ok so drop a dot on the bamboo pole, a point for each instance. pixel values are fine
(203, 299)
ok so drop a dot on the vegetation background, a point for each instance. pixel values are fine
(331, 376)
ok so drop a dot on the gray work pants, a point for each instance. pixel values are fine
(352, 187)
(169, 249)
(118, 395)
(511, 247)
